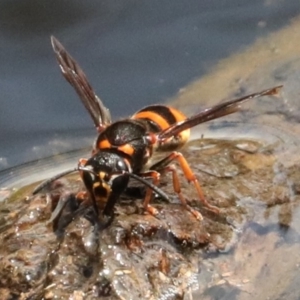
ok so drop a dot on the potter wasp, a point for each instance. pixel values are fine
(123, 149)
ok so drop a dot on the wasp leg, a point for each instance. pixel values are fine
(164, 166)
(177, 189)
(149, 192)
(82, 162)
(67, 208)
(80, 197)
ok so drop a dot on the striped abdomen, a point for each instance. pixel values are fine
(160, 117)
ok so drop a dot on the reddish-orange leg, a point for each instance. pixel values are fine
(164, 166)
(155, 177)
(82, 162)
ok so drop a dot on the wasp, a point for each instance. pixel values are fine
(123, 149)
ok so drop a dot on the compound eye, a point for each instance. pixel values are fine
(90, 175)
(119, 183)
(121, 165)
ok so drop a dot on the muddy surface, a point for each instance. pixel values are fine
(172, 255)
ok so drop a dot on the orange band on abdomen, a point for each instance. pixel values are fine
(154, 117)
(179, 116)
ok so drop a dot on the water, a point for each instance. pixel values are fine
(134, 53)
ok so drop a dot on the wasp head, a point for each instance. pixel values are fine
(105, 176)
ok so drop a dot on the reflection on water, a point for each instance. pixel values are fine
(14, 178)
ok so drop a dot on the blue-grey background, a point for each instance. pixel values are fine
(134, 52)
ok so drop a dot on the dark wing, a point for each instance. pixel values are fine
(214, 112)
(76, 77)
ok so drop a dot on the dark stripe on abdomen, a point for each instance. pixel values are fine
(163, 111)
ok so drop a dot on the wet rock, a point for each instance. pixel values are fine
(50, 251)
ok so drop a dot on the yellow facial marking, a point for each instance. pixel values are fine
(102, 175)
